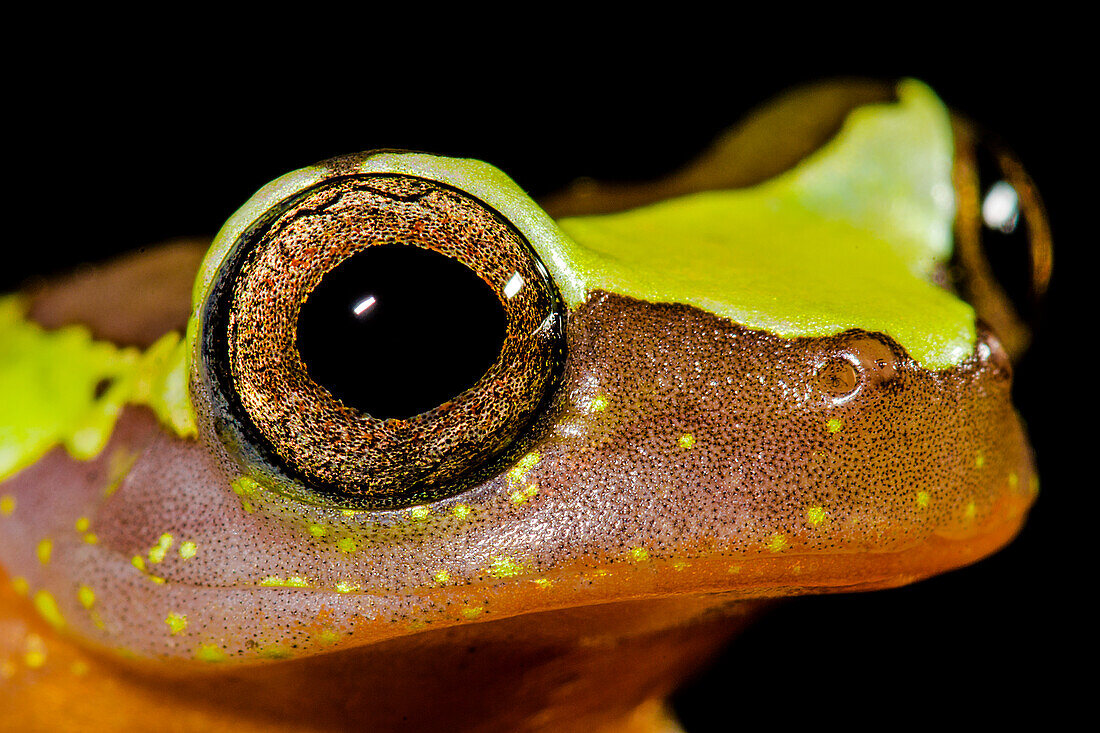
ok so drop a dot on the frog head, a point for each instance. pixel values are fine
(686, 406)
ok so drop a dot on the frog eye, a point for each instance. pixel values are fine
(1003, 254)
(378, 337)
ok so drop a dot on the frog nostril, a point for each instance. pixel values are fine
(876, 359)
(858, 360)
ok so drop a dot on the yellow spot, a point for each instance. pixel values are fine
(345, 587)
(473, 612)
(834, 425)
(176, 623)
(517, 473)
(82, 524)
(680, 565)
(7, 505)
(188, 550)
(639, 554)
(245, 486)
(542, 583)
(86, 596)
(922, 499)
(971, 509)
(138, 562)
(317, 530)
(734, 570)
(598, 403)
(349, 512)
(815, 515)
(157, 553)
(45, 551)
(778, 542)
(34, 655)
(347, 544)
(419, 513)
(442, 576)
(687, 440)
(91, 538)
(505, 567)
(20, 585)
(210, 653)
(796, 569)
(294, 581)
(47, 608)
(275, 652)
(121, 462)
(327, 636)
(79, 668)
(461, 510)
(1013, 480)
(97, 619)
(1033, 484)
(979, 459)
(523, 495)
(156, 579)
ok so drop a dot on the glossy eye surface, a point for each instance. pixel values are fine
(376, 337)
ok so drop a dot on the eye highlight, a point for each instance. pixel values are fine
(375, 337)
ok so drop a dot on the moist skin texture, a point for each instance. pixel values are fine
(689, 466)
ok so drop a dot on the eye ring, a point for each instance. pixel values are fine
(274, 413)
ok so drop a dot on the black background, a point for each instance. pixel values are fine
(123, 147)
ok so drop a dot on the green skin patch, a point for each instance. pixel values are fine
(60, 387)
(849, 238)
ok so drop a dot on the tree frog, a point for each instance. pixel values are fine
(403, 449)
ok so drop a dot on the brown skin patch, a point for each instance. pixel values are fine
(131, 301)
(683, 454)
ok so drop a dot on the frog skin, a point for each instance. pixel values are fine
(722, 431)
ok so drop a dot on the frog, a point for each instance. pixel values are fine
(750, 381)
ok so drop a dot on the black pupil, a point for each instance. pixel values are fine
(397, 330)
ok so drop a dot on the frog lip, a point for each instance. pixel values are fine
(737, 574)
(369, 616)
